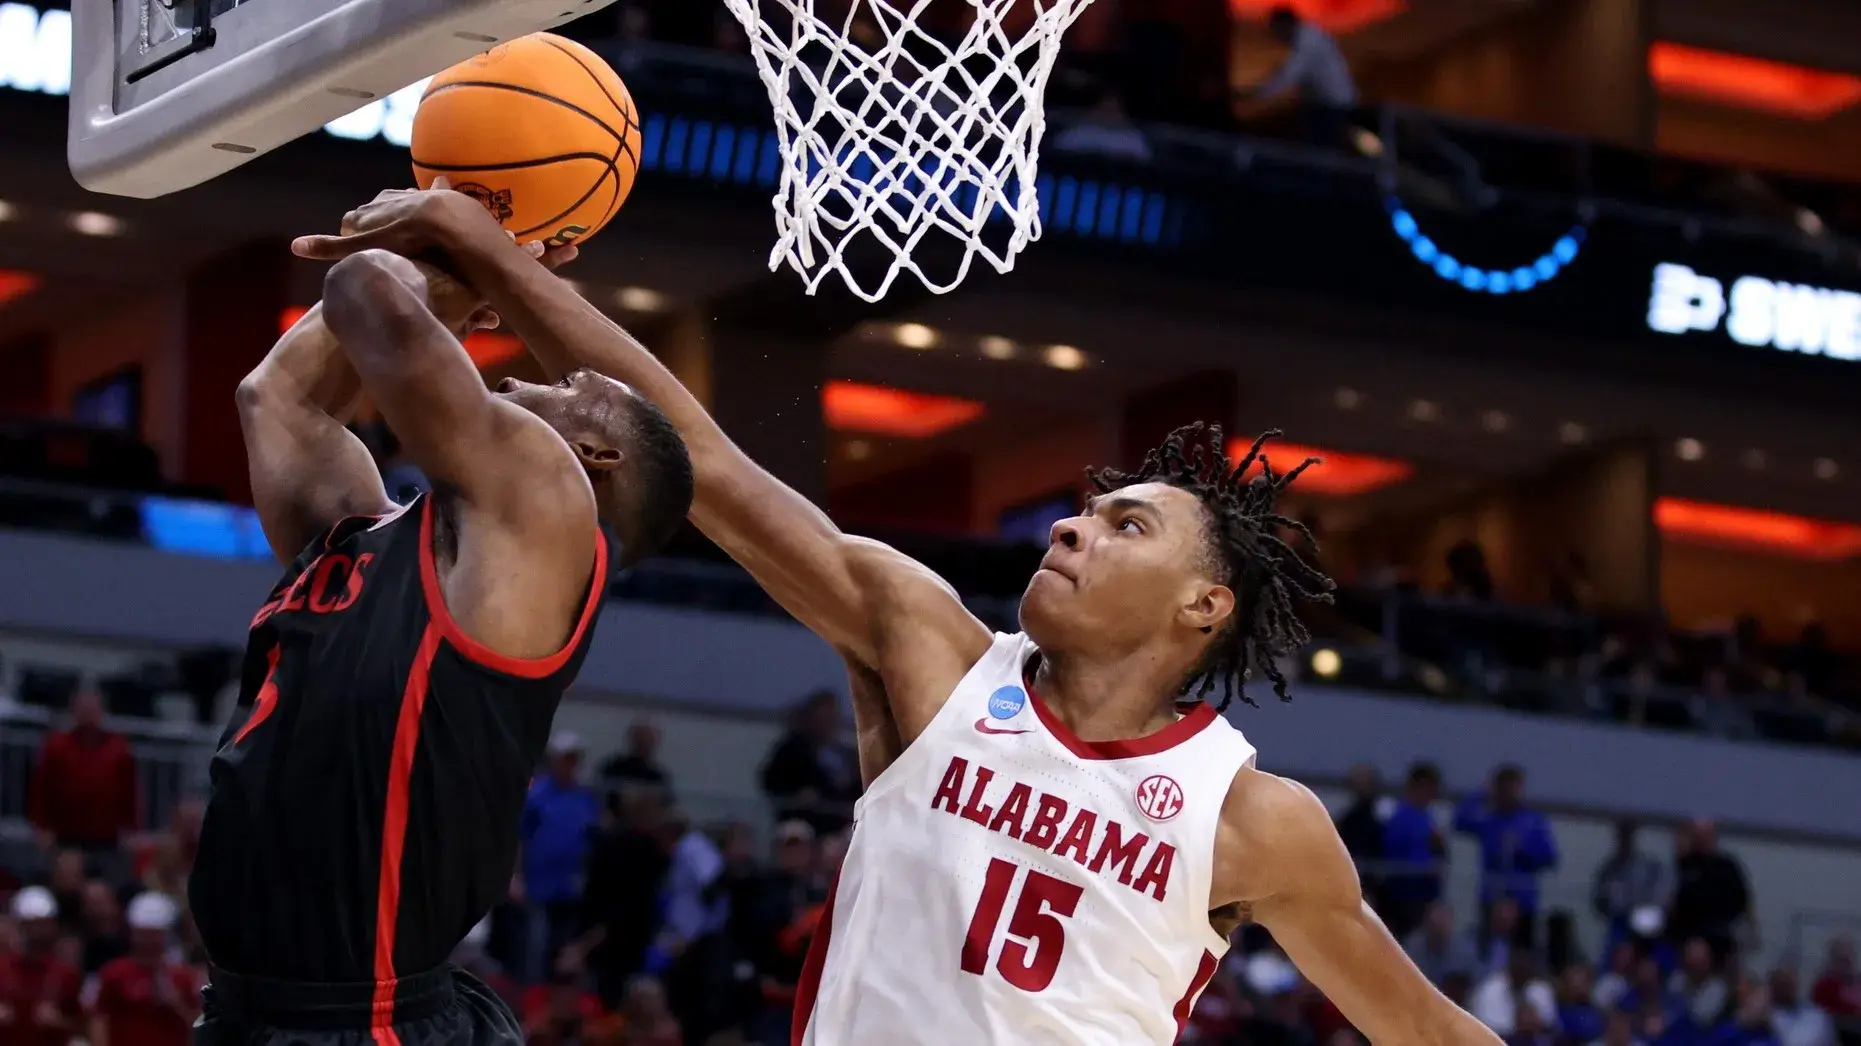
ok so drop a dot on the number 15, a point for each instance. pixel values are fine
(1043, 902)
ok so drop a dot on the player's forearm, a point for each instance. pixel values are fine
(305, 370)
(565, 333)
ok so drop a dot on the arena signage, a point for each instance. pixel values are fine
(1758, 312)
(35, 56)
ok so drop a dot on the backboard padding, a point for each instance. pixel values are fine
(276, 70)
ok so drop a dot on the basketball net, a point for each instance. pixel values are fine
(894, 136)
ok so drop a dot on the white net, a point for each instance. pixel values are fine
(910, 132)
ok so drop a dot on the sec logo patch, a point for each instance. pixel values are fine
(1007, 702)
(1159, 798)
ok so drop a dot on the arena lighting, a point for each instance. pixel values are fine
(1326, 664)
(1795, 536)
(487, 348)
(95, 223)
(996, 347)
(1338, 475)
(1337, 16)
(639, 299)
(1542, 269)
(1063, 357)
(852, 406)
(915, 336)
(15, 284)
(1751, 83)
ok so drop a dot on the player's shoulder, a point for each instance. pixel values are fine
(911, 593)
(1274, 831)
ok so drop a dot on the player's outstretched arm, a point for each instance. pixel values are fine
(527, 544)
(1279, 858)
(853, 592)
(308, 470)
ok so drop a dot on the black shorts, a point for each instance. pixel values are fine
(443, 1006)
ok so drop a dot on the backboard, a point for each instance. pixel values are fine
(166, 94)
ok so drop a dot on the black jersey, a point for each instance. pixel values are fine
(364, 814)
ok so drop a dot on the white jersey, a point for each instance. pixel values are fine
(1009, 883)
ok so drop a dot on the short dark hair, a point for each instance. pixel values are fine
(1283, 17)
(1250, 558)
(1424, 772)
(650, 498)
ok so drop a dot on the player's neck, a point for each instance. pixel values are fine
(1108, 699)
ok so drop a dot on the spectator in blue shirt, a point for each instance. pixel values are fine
(1413, 852)
(1515, 845)
(559, 821)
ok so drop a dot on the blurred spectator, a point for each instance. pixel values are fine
(1618, 1030)
(1437, 950)
(1530, 1029)
(1615, 981)
(1719, 711)
(691, 940)
(1467, 572)
(1105, 132)
(625, 868)
(1413, 852)
(101, 926)
(1838, 986)
(1315, 67)
(559, 820)
(1361, 827)
(84, 786)
(812, 773)
(1515, 845)
(1627, 880)
(646, 1019)
(1711, 897)
(39, 989)
(1579, 1019)
(1500, 998)
(1751, 1017)
(1647, 995)
(638, 766)
(66, 881)
(761, 919)
(1795, 1021)
(1702, 992)
(1496, 938)
(145, 998)
(562, 1013)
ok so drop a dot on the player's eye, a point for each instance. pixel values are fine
(563, 382)
(1130, 524)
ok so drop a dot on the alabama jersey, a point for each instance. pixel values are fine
(1009, 883)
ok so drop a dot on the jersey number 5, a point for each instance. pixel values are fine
(1044, 901)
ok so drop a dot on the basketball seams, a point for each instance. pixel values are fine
(516, 165)
(625, 139)
(624, 110)
(533, 93)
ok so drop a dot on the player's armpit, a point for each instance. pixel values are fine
(1278, 853)
(308, 471)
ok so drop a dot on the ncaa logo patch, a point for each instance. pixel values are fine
(1159, 798)
(1007, 702)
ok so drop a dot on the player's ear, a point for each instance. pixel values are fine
(1210, 608)
(597, 457)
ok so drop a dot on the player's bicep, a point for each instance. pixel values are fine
(307, 471)
(1318, 915)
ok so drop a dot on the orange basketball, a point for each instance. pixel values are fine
(539, 130)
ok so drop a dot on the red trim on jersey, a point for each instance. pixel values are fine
(1191, 724)
(394, 834)
(808, 985)
(1186, 1005)
(478, 653)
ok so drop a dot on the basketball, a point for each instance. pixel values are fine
(540, 130)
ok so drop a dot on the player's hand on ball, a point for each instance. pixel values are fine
(410, 222)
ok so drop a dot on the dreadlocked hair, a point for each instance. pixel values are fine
(1264, 572)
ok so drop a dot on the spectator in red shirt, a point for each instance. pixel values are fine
(84, 786)
(38, 990)
(1838, 989)
(144, 998)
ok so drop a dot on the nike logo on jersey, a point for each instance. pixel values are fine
(983, 725)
